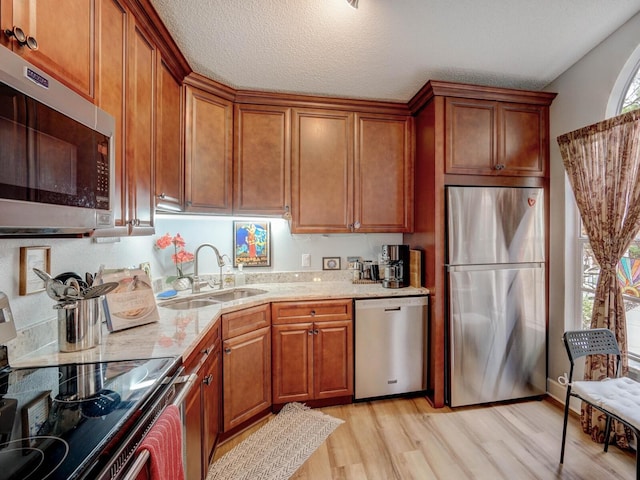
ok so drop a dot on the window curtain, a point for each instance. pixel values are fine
(603, 165)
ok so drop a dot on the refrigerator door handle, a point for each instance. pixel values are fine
(493, 266)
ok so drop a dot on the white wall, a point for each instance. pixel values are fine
(83, 254)
(586, 93)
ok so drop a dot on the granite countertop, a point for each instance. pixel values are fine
(178, 331)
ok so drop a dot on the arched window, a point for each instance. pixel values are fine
(631, 99)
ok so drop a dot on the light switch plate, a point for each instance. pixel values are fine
(306, 259)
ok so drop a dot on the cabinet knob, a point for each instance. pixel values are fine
(189, 203)
(162, 196)
(499, 166)
(313, 313)
(227, 350)
(356, 225)
(206, 351)
(208, 379)
(316, 331)
(310, 332)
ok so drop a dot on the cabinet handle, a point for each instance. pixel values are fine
(313, 313)
(316, 331)
(227, 350)
(206, 351)
(310, 332)
(356, 225)
(208, 379)
(162, 196)
(22, 38)
(499, 166)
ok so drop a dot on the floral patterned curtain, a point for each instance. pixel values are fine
(603, 165)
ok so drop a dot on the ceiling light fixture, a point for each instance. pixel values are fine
(353, 3)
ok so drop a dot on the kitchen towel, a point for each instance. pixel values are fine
(164, 444)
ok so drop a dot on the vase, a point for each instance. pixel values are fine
(181, 283)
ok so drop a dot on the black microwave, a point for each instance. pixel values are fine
(57, 155)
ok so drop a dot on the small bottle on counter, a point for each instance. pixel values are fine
(240, 280)
(228, 279)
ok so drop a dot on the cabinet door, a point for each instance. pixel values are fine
(140, 152)
(169, 167)
(208, 152)
(383, 200)
(522, 139)
(292, 362)
(64, 32)
(322, 171)
(333, 359)
(211, 393)
(470, 136)
(111, 38)
(262, 161)
(246, 365)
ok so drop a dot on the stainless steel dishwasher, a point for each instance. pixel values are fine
(390, 346)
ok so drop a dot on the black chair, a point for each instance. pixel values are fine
(599, 394)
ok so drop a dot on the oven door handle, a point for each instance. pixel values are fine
(183, 385)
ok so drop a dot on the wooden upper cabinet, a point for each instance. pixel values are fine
(383, 174)
(111, 58)
(486, 137)
(322, 171)
(140, 141)
(523, 138)
(208, 152)
(262, 159)
(125, 88)
(64, 31)
(169, 166)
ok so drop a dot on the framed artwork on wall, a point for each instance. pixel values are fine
(331, 263)
(30, 258)
(251, 244)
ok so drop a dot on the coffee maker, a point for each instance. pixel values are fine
(395, 259)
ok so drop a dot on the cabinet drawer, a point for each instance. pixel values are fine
(297, 312)
(244, 321)
(206, 347)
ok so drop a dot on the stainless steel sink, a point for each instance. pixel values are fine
(235, 294)
(211, 298)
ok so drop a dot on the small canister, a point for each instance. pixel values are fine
(78, 324)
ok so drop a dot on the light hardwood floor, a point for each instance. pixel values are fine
(407, 439)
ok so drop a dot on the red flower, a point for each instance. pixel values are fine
(180, 255)
(164, 241)
(178, 241)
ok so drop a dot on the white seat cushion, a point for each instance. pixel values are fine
(620, 396)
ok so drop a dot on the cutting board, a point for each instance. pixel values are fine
(415, 268)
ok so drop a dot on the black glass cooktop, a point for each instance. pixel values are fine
(57, 422)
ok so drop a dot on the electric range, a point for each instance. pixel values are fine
(71, 421)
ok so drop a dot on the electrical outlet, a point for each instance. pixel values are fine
(306, 259)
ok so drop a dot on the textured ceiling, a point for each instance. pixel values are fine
(387, 49)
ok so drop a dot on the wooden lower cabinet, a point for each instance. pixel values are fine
(246, 365)
(312, 360)
(202, 406)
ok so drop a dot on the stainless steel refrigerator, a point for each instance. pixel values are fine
(496, 294)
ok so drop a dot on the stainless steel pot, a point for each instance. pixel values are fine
(78, 324)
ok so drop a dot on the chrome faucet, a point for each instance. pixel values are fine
(195, 286)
